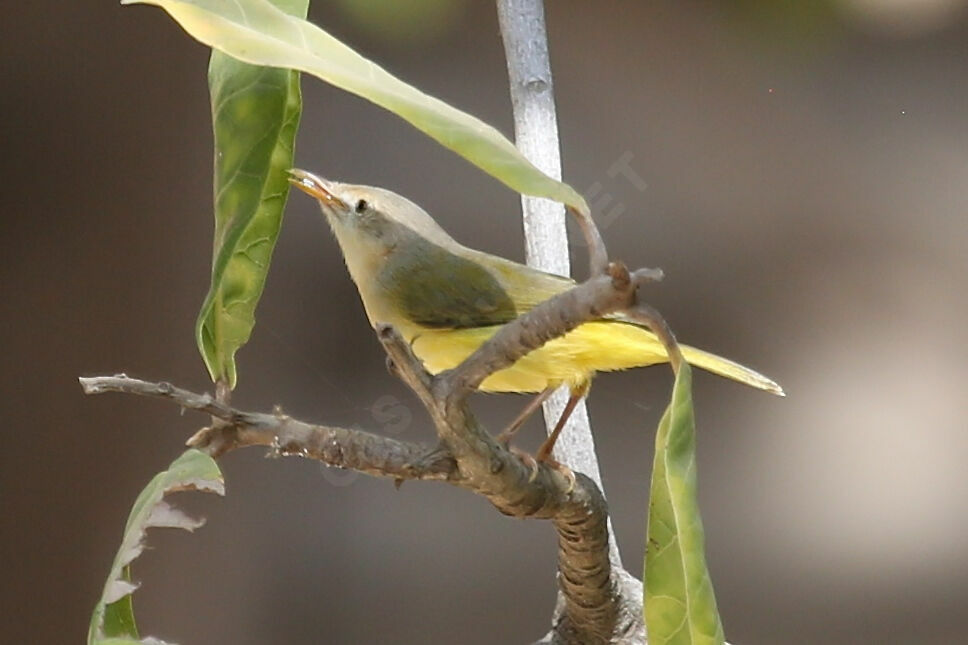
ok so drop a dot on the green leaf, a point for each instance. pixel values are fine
(680, 606)
(119, 615)
(255, 114)
(257, 32)
(112, 622)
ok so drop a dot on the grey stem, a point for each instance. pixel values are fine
(546, 238)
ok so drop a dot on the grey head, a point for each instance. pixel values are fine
(369, 211)
(370, 223)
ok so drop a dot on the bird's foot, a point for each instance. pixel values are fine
(528, 460)
(562, 469)
(534, 465)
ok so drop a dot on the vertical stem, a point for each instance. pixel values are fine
(546, 238)
(535, 128)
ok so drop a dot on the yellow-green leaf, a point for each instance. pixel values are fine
(113, 619)
(257, 32)
(255, 114)
(680, 606)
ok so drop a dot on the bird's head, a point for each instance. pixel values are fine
(368, 219)
(380, 233)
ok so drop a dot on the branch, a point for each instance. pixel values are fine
(341, 447)
(600, 602)
(517, 487)
(648, 316)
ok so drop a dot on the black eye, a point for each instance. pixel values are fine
(361, 206)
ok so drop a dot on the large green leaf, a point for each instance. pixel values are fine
(259, 33)
(112, 622)
(255, 114)
(680, 606)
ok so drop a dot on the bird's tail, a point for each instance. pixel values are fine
(729, 369)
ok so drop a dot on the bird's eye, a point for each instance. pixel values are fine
(361, 206)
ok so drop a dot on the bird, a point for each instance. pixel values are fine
(447, 299)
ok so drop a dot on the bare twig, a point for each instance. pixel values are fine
(508, 482)
(648, 316)
(341, 447)
(600, 603)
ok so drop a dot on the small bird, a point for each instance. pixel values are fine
(446, 300)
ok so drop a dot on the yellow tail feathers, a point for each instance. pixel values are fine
(729, 369)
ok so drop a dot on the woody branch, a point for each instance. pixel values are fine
(598, 604)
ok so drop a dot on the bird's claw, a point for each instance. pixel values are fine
(528, 460)
(534, 465)
(563, 470)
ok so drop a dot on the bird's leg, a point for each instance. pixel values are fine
(508, 433)
(544, 452)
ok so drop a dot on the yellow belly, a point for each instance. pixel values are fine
(569, 360)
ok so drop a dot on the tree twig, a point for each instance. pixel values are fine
(599, 604)
(340, 447)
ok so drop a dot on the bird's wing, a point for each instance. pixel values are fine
(525, 286)
(460, 288)
(438, 288)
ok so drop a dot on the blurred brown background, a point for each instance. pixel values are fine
(807, 182)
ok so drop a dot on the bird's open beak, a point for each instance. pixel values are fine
(315, 186)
